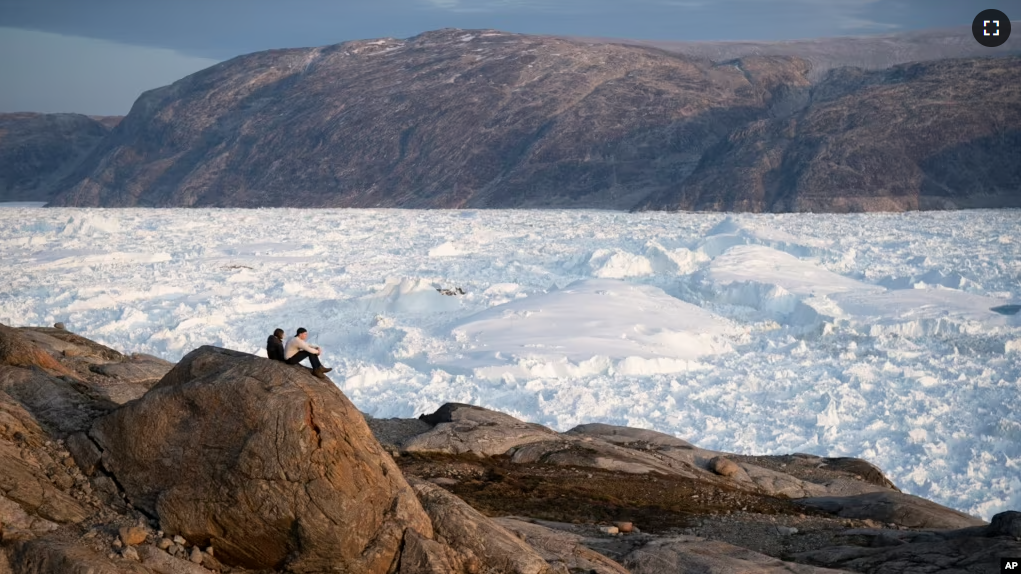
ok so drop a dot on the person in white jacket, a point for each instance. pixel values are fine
(297, 350)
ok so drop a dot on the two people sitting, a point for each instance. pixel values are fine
(296, 350)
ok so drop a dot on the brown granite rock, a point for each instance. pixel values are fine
(127, 380)
(53, 556)
(85, 452)
(893, 507)
(17, 350)
(56, 403)
(25, 483)
(460, 428)
(724, 466)
(689, 554)
(263, 461)
(480, 543)
(424, 556)
(132, 535)
(561, 548)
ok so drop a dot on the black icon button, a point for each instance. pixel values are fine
(991, 28)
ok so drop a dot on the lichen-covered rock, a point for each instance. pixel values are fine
(268, 464)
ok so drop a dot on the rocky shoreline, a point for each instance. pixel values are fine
(228, 462)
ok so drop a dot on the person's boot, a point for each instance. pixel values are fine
(321, 372)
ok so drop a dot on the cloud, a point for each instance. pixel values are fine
(45, 72)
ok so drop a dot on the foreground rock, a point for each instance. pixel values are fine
(561, 548)
(478, 544)
(894, 508)
(462, 429)
(691, 555)
(244, 462)
(266, 463)
(968, 550)
(459, 428)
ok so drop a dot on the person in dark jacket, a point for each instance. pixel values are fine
(275, 346)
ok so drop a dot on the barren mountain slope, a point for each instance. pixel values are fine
(456, 118)
(934, 135)
(871, 52)
(36, 150)
(446, 119)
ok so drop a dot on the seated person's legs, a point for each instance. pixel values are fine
(301, 356)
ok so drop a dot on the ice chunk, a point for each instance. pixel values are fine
(409, 296)
(594, 318)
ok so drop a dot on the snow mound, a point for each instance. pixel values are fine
(773, 301)
(89, 225)
(934, 278)
(760, 264)
(679, 261)
(578, 329)
(618, 264)
(447, 249)
(733, 231)
(409, 296)
(924, 312)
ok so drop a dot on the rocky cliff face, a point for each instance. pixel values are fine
(37, 150)
(485, 119)
(934, 135)
(446, 119)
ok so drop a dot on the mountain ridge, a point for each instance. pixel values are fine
(487, 119)
(37, 150)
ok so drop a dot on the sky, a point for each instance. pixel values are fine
(97, 57)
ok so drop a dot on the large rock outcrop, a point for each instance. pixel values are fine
(249, 462)
(477, 543)
(461, 429)
(271, 466)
